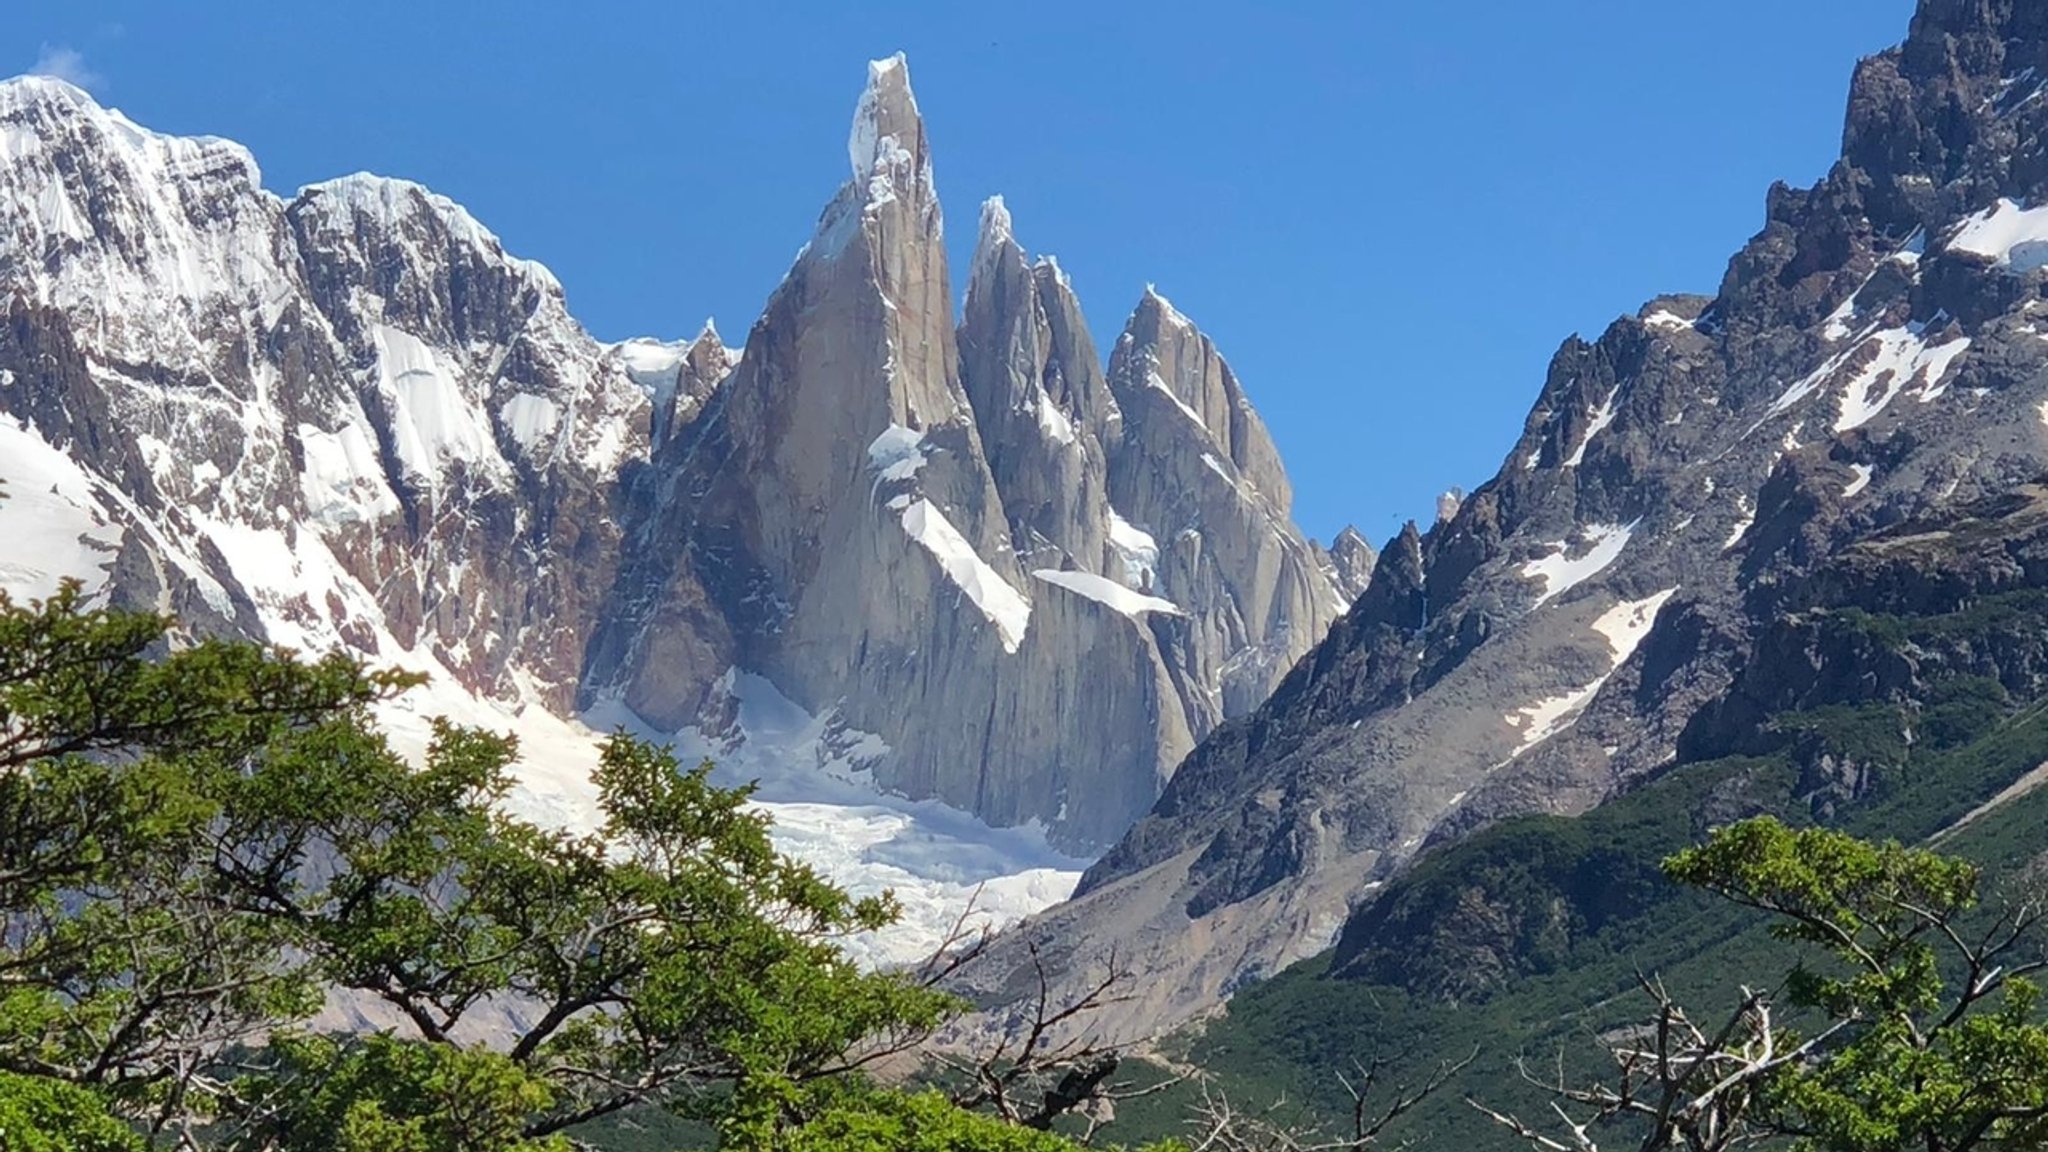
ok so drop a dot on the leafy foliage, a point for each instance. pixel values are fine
(386, 1094)
(126, 962)
(197, 846)
(42, 1115)
(1917, 1063)
(919, 1122)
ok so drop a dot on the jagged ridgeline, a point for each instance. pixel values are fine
(991, 569)
(1898, 690)
(1613, 602)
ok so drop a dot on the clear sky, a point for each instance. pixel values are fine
(1388, 215)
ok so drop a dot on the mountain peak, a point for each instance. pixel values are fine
(395, 203)
(57, 110)
(996, 244)
(1156, 313)
(886, 124)
(893, 68)
(707, 355)
(18, 90)
(995, 223)
(1961, 16)
(1351, 562)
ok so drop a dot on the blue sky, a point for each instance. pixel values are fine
(1388, 215)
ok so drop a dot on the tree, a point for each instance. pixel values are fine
(1043, 1062)
(1377, 1105)
(124, 966)
(673, 957)
(1900, 1056)
(198, 846)
(382, 1094)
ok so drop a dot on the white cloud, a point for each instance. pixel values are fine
(66, 64)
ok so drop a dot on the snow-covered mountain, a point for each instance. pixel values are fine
(934, 579)
(1875, 356)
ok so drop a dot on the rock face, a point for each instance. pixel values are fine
(950, 538)
(1014, 581)
(1877, 353)
(1868, 681)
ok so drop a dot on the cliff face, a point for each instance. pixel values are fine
(997, 575)
(1875, 354)
(952, 538)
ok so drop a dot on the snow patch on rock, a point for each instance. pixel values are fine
(1625, 624)
(1623, 627)
(1547, 717)
(343, 481)
(1004, 606)
(1107, 592)
(433, 424)
(530, 419)
(2015, 238)
(1053, 421)
(1742, 524)
(1859, 481)
(1890, 362)
(1903, 357)
(51, 517)
(1836, 327)
(1136, 549)
(1602, 417)
(1596, 545)
(897, 453)
(1154, 381)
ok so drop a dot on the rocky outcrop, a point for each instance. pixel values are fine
(1046, 417)
(1873, 355)
(1011, 580)
(1349, 562)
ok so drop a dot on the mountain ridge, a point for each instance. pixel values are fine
(350, 418)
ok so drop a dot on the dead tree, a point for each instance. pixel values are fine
(1046, 1063)
(1690, 1088)
(1376, 1103)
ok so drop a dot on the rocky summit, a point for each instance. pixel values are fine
(1876, 357)
(988, 565)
